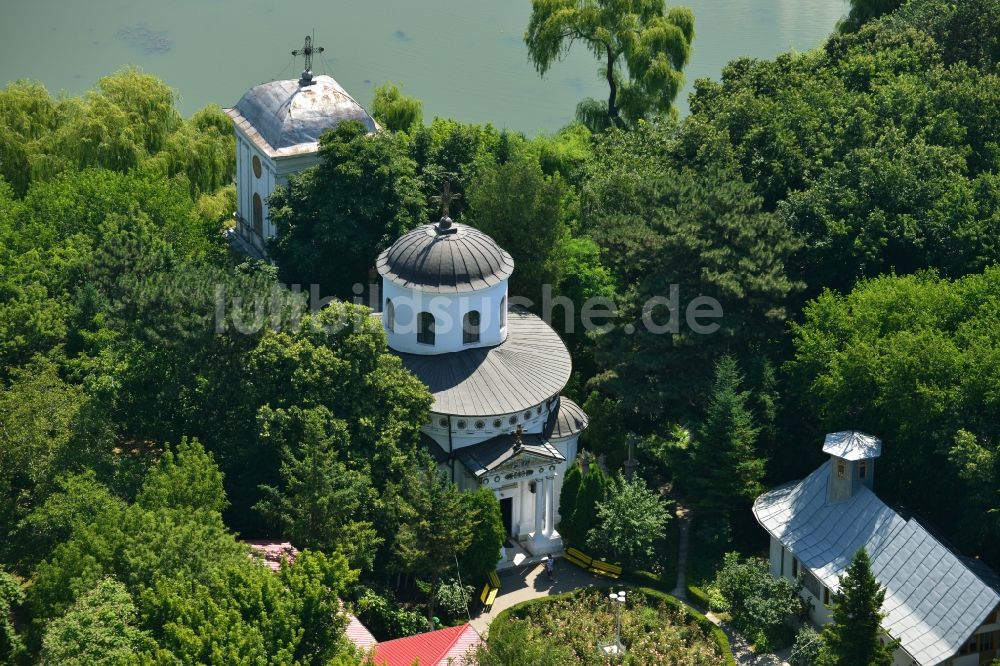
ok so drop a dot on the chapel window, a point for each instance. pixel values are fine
(841, 469)
(390, 315)
(863, 469)
(470, 327)
(256, 166)
(425, 329)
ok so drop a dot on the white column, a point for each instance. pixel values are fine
(539, 506)
(548, 507)
(553, 500)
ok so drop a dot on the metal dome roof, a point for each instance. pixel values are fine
(287, 118)
(445, 258)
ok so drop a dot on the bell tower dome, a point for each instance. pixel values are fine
(852, 462)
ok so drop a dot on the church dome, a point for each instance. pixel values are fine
(287, 118)
(446, 258)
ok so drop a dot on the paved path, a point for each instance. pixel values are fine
(531, 582)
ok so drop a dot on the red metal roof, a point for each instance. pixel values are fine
(429, 649)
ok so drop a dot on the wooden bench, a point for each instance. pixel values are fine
(604, 569)
(490, 591)
(579, 559)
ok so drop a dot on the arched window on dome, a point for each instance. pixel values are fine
(258, 215)
(470, 327)
(425, 329)
(503, 312)
(390, 316)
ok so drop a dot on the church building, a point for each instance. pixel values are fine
(496, 373)
(278, 125)
(943, 609)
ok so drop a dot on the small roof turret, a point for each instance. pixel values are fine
(852, 445)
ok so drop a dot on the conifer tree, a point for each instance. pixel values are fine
(593, 490)
(854, 637)
(567, 500)
(725, 470)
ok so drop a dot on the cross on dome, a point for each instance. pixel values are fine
(445, 199)
(307, 52)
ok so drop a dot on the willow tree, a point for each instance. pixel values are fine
(641, 45)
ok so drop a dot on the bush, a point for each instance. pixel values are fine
(452, 599)
(807, 648)
(760, 603)
(387, 621)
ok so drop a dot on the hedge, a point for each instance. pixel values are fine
(651, 595)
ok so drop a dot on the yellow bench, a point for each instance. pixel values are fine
(605, 569)
(490, 590)
(579, 559)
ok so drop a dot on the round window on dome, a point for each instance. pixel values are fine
(527, 415)
(497, 423)
(538, 410)
(443, 423)
(513, 419)
(256, 166)
(480, 425)
(461, 424)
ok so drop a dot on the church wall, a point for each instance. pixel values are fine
(502, 424)
(448, 311)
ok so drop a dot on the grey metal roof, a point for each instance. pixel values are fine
(527, 368)
(566, 420)
(486, 456)
(432, 446)
(852, 445)
(284, 118)
(933, 601)
(445, 259)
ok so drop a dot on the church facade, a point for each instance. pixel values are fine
(943, 609)
(498, 419)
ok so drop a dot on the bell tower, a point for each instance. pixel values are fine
(852, 463)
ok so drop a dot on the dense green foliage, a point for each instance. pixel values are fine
(376, 199)
(855, 636)
(840, 205)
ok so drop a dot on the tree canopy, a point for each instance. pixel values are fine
(642, 48)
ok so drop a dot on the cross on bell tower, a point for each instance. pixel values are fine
(307, 52)
(445, 199)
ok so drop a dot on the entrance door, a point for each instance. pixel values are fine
(507, 512)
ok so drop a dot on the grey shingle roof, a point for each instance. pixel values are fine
(567, 420)
(445, 260)
(283, 118)
(487, 456)
(852, 445)
(529, 367)
(933, 601)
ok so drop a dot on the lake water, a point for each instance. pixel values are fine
(464, 58)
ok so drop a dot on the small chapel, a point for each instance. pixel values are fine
(278, 125)
(496, 372)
